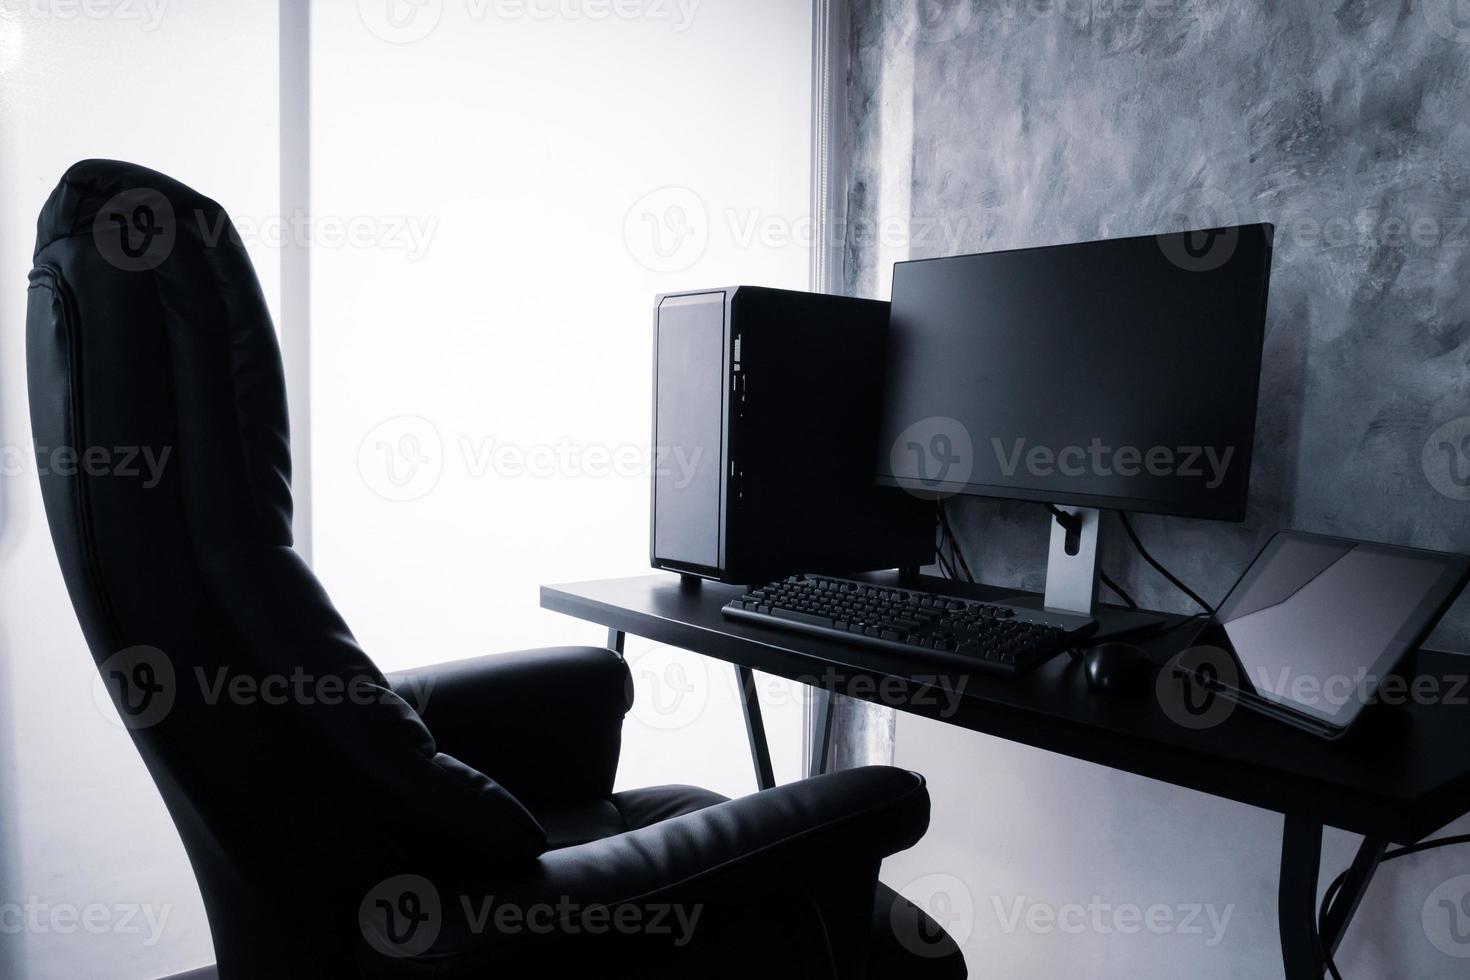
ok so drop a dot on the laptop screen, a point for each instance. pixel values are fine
(1316, 623)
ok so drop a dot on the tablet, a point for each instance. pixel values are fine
(1316, 623)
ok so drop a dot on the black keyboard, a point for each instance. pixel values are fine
(979, 636)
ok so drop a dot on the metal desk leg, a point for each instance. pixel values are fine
(1296, 899)
(821, 731)
(1301, 863)
(617, 641)
(755, 728)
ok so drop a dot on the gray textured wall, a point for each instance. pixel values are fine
(988, 124)
(1033, 122)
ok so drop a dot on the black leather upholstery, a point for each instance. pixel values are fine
(306, 786)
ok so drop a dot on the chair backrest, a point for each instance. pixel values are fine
(296, 778)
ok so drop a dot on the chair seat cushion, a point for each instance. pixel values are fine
(567, 826)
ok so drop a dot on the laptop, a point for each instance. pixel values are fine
(1316, 624)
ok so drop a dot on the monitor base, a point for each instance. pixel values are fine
(1113, 622)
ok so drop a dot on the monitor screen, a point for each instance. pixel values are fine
(1119, 374)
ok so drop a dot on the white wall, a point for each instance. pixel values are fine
(1019, 836)
(507, 174)
(188, 88)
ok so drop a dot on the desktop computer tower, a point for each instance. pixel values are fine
(765, 431)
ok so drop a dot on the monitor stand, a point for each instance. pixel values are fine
(1073, 575)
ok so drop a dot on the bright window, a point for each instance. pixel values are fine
(499, 191)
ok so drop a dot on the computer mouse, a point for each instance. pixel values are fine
(1118, 668)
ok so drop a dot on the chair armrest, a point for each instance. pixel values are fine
(792, 866)
(778, 837)
(545, 724)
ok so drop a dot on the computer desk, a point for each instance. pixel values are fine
(1402, 774)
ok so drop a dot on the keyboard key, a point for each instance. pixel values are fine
(799, 617)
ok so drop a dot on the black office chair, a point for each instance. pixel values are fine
(335, 830)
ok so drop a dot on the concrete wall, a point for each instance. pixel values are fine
(1344, 124)
(1008, 123)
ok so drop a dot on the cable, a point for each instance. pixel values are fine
(1069, 522)
(1337, 883)
(1187, 621)
(1133, 536)
(1127, 599)
(957, 554)
(954, 544)
(945, 568)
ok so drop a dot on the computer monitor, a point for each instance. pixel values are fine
(1118, 374)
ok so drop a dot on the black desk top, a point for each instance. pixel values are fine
(1401, 774)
